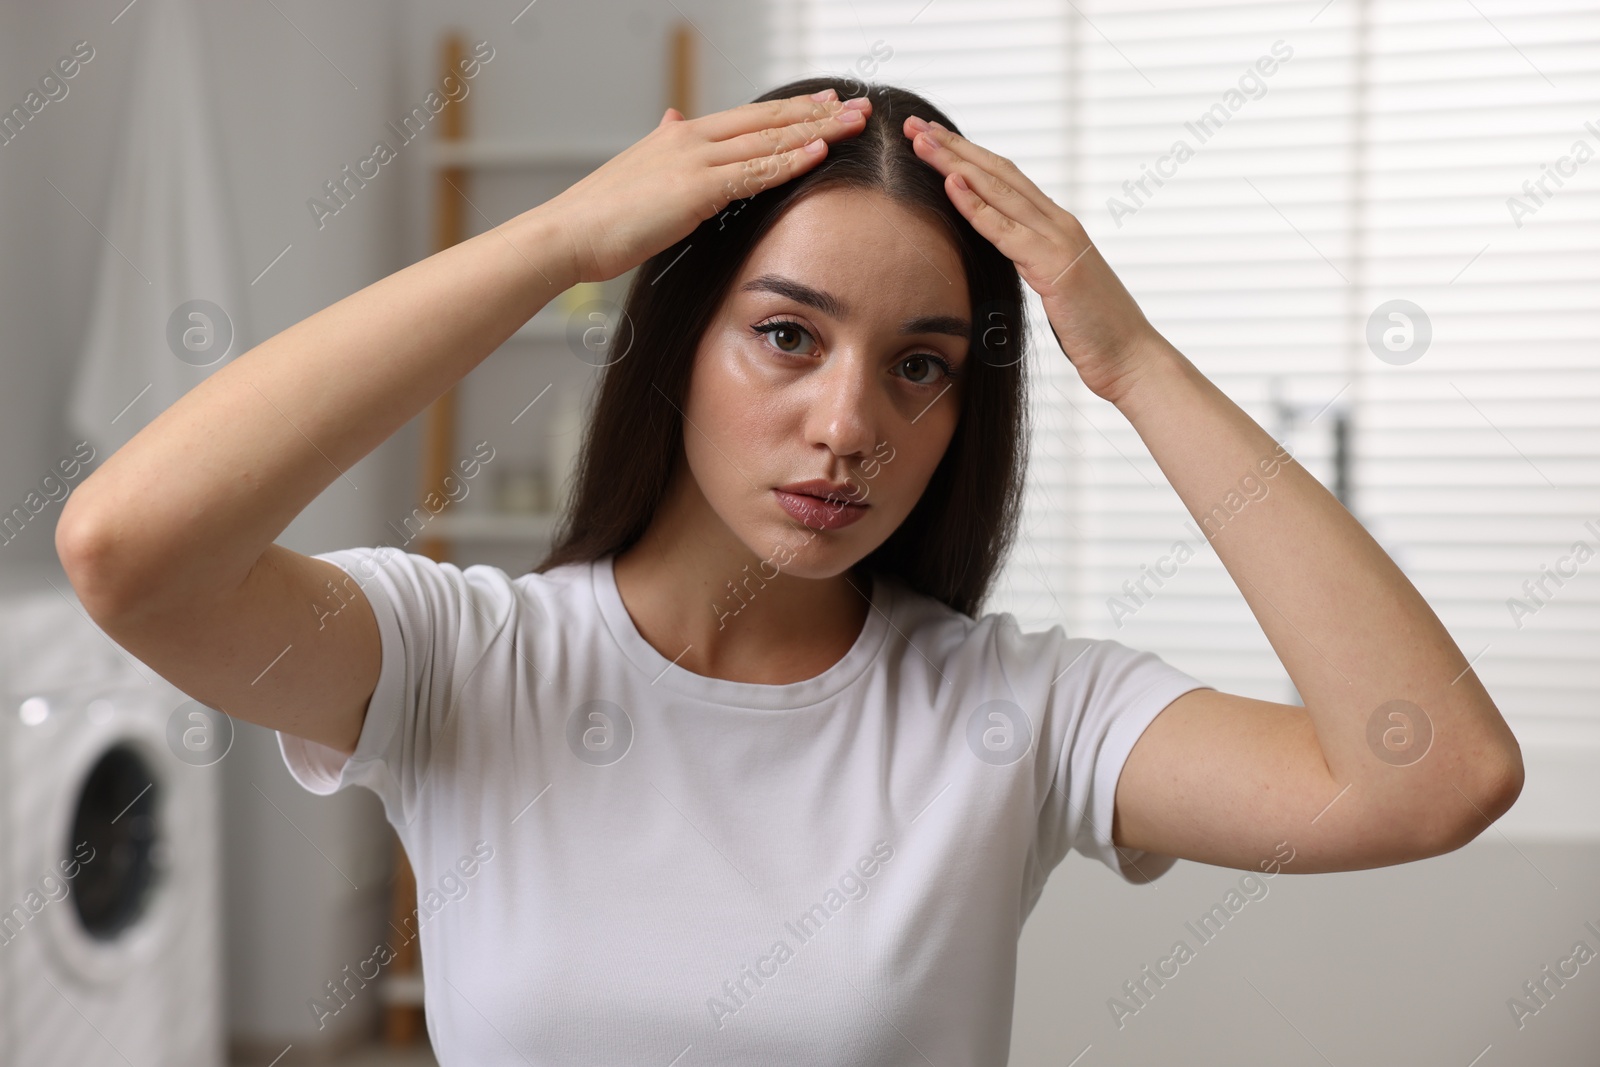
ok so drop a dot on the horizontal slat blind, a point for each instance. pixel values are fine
(1357, 153)
(1240, 256)
(1480, 462)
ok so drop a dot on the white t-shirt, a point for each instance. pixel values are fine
(620, 861)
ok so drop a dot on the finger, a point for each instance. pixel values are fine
(764, 114)
(1041, 258)
(991, 189)
(1019, 242)
(834, 125)
(993, 175)
(965, 149)
(672, 115)
(748, 177)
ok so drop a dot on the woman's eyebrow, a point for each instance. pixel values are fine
(833, 307)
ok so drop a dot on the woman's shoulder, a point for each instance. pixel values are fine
(415, 578)
(924, 610)
(1020, 644)
(928, 622)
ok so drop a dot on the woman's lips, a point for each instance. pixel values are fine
(817, 513)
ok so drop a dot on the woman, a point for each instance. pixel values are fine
(739, 773)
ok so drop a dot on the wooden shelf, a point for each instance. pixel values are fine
(401, 990)
(457, 525)
(521, 152)
(550, 324)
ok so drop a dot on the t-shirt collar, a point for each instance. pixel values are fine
(662, 673)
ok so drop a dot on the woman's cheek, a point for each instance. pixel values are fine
(741, 363)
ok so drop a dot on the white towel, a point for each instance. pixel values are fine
(168, 242)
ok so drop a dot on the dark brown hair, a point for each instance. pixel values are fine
(955, 538)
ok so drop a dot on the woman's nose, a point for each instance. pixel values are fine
(842, 412)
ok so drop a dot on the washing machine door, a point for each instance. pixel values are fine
(115, 842)
(116, 831)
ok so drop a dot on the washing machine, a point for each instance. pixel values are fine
(110, 870)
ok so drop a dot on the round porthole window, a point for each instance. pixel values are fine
(116, 819)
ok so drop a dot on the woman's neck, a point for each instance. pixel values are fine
(702, 599)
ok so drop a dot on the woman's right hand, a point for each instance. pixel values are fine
(657, 190)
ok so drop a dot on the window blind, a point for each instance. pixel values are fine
(1373, 226)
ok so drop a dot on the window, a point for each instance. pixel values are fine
(1341, 156)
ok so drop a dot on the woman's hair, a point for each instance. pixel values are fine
(959, 532)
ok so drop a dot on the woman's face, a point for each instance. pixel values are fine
(828, 361)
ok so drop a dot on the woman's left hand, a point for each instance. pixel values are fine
(1095, 319)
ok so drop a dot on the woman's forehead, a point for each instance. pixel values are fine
(863, 251)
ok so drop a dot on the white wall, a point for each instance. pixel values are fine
(285, 117)
(1407, 966)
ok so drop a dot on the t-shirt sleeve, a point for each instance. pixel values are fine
(1092, 699)
(436, 622)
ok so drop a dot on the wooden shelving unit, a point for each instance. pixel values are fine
(520, 152)
(451, 161)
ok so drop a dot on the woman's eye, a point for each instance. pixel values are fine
(787, 336)
(925, 362)
(782, 335)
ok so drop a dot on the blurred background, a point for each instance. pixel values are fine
(1373, 223)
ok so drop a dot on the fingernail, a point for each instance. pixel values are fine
(937, 126)
(918, 123)
(859, 103)
(825, 94)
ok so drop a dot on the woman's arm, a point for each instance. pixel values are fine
(1351, 780)
(191, 502)
(1352, 632)
(170, 543)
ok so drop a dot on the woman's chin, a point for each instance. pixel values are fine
(803, 552)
